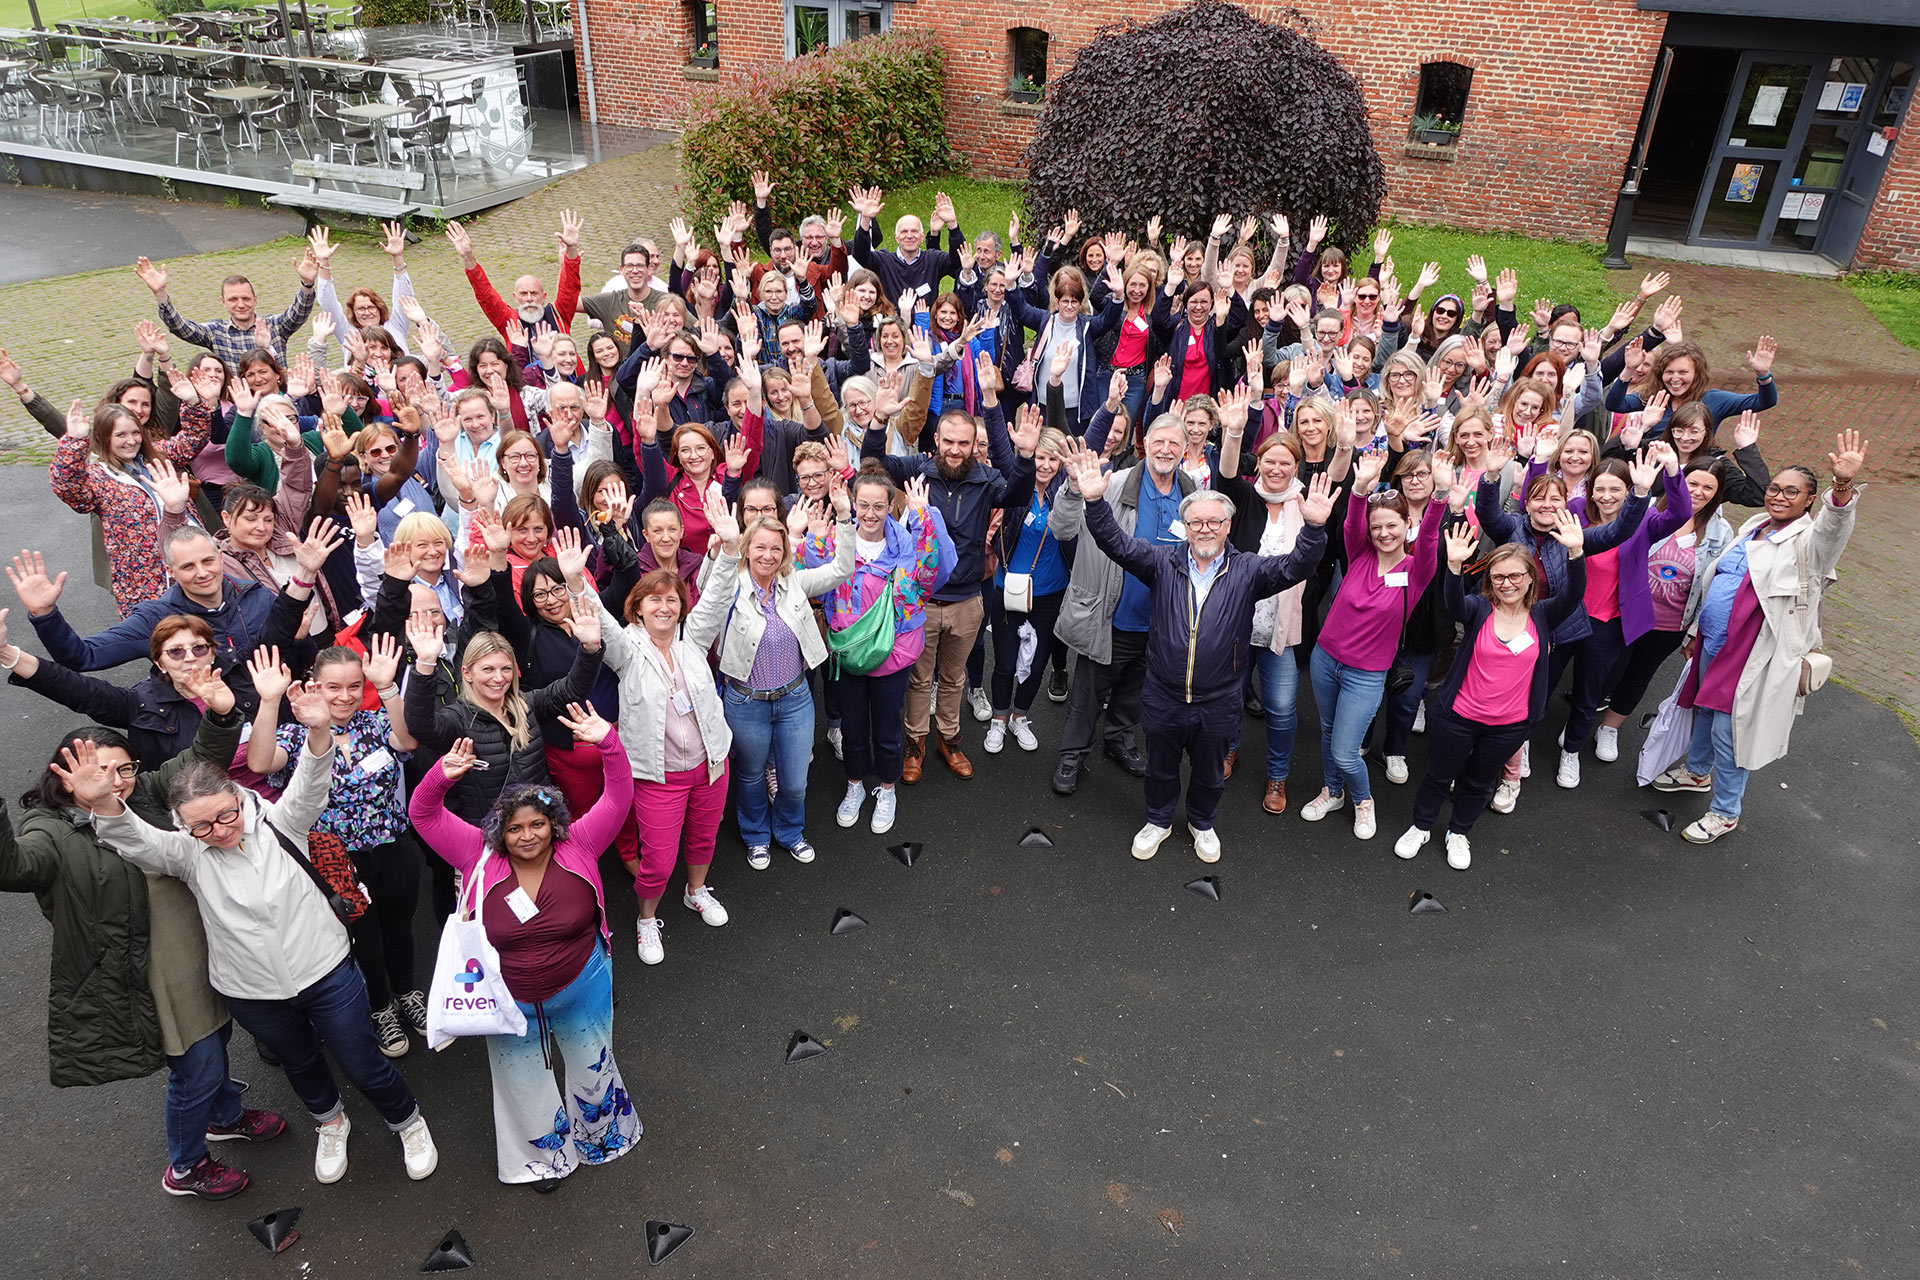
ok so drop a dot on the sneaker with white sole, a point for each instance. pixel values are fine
(849, 811)
(759, 857)
(392, 1037)
(1568, 774)
(1420, 716)
(1411, 842)
(1396, 769)
(703, 901)
(1709, 828)
(1526, 760)
(1459, 852)
(982, 705)
(1679, 778)
(330, 1156)
(413, 1010)
(1363, 823)
(838, 741)
(885, 801)
(1321, 805)
(1606, 744)
(417, 1149)
(801, 851)
(1058, 686)
(648, 933)
(1206, 844)
(1505, 796)
(996, 738)
(1147, 840)
(1022, 730)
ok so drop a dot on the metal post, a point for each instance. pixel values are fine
(1616, 257)
(46, 53)
(293, 55)
(586, 50)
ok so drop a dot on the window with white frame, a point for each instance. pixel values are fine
(822, 24)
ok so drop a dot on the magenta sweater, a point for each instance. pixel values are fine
(1363, 627)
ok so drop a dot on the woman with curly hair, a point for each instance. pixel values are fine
(533, 877)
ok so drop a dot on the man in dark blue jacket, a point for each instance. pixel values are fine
(1198, 634)
(967, 494)
(914, 267)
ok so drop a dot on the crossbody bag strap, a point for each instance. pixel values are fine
(327, 891)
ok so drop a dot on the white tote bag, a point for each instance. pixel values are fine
(1670, 734)
(468, 997)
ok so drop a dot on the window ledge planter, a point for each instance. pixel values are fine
(1012, 105)
(700, 71)
(1432, 151)
(1436, 137)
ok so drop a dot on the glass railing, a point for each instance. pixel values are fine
(434, 118)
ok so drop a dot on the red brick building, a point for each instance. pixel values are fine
(1746, 125)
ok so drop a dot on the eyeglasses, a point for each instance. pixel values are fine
(201, 830)
(1399, 373)
(520, 455)
(127, 770)
(1447, 311)
(1383, 495)
(573, 409)
(811, 477)
(550, 595)
(1508, 579)
(871, 508)
(1784, 491)
(427, 615)
(1423, 474)
(680, 357)
(181, 654)
(1201, 522)
(382, 450)
(1366, 297)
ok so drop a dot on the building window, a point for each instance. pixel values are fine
(703, 21)
(1441, 104)
(1027, 59)
(822, 24)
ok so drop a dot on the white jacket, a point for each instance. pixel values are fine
(745, 624)
(645, 685)
(270, 933)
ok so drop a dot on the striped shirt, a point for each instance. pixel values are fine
(777, 662)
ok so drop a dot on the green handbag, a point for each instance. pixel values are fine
(861, 648)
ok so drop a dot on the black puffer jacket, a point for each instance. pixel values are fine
(437, 720)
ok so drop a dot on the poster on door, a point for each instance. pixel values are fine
(1745, 182)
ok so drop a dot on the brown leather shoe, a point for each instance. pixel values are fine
(1276, 798)
(913, 761)
(956, 758)
(1232, 756)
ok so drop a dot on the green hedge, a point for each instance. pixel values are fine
(860, 114)
(387, 13)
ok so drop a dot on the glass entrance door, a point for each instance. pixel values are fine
(1871, 131)
(1762, 133)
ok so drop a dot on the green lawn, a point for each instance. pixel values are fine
(1552, 269)
(1892, 296)
(14, 13)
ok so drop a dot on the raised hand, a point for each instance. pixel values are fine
(426, 637)
(309, 706)
(1316, 506)
(586, 619)
(85, 778)
(569, 233)
(323, 536)
(152, 274)
(570, 552)
(1848, 457)
(38, 593)
(737, 454)
(1644, 470)
(1317, 231)
(206, 684)
(1460, 544)
(1666, 317)
(398, 562)
(1367, 468)
(1568, 533)
(382, 663)
(169, 485)
(1382, 241)
(1760, 359)
(1025, 435)
(1652, 283)
(458, 760)
(1746, 432)
(916, 490)
(726, 529)
(1477, 268)
(584, 722)
(321, 247)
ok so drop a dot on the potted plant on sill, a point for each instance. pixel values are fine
(1436, 131)
(705, 55)
(1025, 90)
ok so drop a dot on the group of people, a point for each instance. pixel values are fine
(596, 580)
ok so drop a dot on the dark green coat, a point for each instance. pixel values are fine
(103, 1021)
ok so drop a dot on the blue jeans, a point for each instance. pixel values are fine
(782, 731)
(1279, 683)
(1712, 752)
(1347, 699)
(335, 1011)
(1402, 704)
(199, 1093)
(1135, 400)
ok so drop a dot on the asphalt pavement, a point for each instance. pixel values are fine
(51, 231)
(1615, 1054)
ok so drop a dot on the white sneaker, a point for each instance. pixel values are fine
(1206, 844)
(1505, 797)
(1459, 852)
(759, 857)
(330, 1157)
(1022, 730)
(849, 811)
(703, 901)
(417, 1149)
(1146, 841)
(1568, 774)
(648, 930)
(885, 801)
(1411, 842)
(838, 741)
(1420, 716)
(981, 704)
(801, 850)
(996, 738)
(1363, 823)
(1321, 805)
(1606, 744)
(1710, 828)
(1526, 759)
(1396, 769)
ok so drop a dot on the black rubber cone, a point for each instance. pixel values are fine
(276, 1230)
(1206, 887)
(663, 1238)
(906, 852)
(1036, 839)
(803, 1046)
(1423, 903)
(1661, 818)
(845, 921)
(450, 1254)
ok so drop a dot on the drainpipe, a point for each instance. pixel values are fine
(1616, 259)
(586, 53)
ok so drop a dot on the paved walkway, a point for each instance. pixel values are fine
(1838, 366)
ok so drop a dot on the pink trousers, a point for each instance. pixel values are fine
(684, 802)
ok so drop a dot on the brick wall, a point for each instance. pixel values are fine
(1543, 148)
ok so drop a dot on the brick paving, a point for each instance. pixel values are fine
(1838, 367)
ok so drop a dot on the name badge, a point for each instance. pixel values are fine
(376, 761)
(522, 906)
(1177, 530)
(1520, 643)
(1686, 539)
(403, 508)
(682, 702)
(923, 290)
(1033, 519)
(1140, 323)
(1397, 579)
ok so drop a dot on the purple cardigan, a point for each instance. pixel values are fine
(1636, 597)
